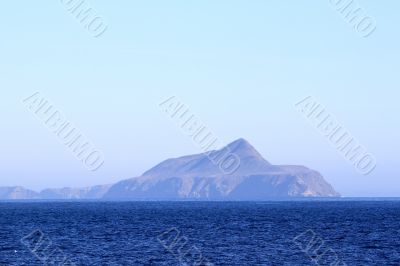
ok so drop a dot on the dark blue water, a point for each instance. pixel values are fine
(222, 233)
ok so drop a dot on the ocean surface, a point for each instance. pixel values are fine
(200, 233)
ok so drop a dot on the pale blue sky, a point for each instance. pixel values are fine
(239, 65)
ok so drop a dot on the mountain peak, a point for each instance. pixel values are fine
(240, 141)
(240, 145)
(244, 149)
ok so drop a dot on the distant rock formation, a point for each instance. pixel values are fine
(197, 177)
(17, 193)
(96, 192)
(20, 193)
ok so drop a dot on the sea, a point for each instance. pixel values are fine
(303, 232)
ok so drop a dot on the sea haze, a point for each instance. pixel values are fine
(226, 233)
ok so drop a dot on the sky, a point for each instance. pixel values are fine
(240, 66)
